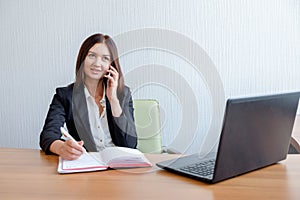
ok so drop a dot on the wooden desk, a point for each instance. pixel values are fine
(29, 174)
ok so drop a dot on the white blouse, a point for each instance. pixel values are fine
(98, 124)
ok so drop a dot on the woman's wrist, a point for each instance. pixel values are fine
(115, 107)
(56, 146)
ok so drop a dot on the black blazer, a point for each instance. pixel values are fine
(69, 106)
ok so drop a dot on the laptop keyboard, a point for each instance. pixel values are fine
(205, 168)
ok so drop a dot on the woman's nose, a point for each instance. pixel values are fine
(98, 62)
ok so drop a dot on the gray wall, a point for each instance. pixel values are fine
(250, 47)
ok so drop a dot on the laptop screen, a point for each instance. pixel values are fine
(256, 133)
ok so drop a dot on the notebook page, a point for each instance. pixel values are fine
(85, 161)
(122, 155)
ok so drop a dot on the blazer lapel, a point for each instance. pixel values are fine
(81, 119)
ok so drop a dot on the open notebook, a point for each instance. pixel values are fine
(111, 157)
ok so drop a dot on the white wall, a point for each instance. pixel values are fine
(254, 46)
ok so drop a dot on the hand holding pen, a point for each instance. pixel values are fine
(71, 149)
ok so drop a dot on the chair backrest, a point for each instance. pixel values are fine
(294, 147)
(147, 122)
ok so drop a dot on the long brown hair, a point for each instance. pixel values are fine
(84, 49)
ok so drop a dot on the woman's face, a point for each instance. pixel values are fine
(96, 62)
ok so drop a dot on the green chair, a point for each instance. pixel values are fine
(147, 122)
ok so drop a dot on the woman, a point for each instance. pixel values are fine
(97, 108)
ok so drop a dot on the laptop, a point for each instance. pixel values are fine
(256, 133)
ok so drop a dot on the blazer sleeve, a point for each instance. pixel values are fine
(54, 120)
(122, 128)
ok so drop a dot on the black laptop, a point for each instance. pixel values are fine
(256, 133)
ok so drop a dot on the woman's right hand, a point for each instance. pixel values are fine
(68, 150)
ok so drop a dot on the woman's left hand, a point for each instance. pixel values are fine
(112, 83)
(111, 91)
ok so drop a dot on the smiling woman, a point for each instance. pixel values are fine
(96, 62)
(97, 109)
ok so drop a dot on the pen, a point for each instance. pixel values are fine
(67, 135)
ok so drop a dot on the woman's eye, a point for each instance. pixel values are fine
(91, 56)
(106, 59)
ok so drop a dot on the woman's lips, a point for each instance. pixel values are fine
(96, 71)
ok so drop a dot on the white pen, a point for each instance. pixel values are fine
(67, 135)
